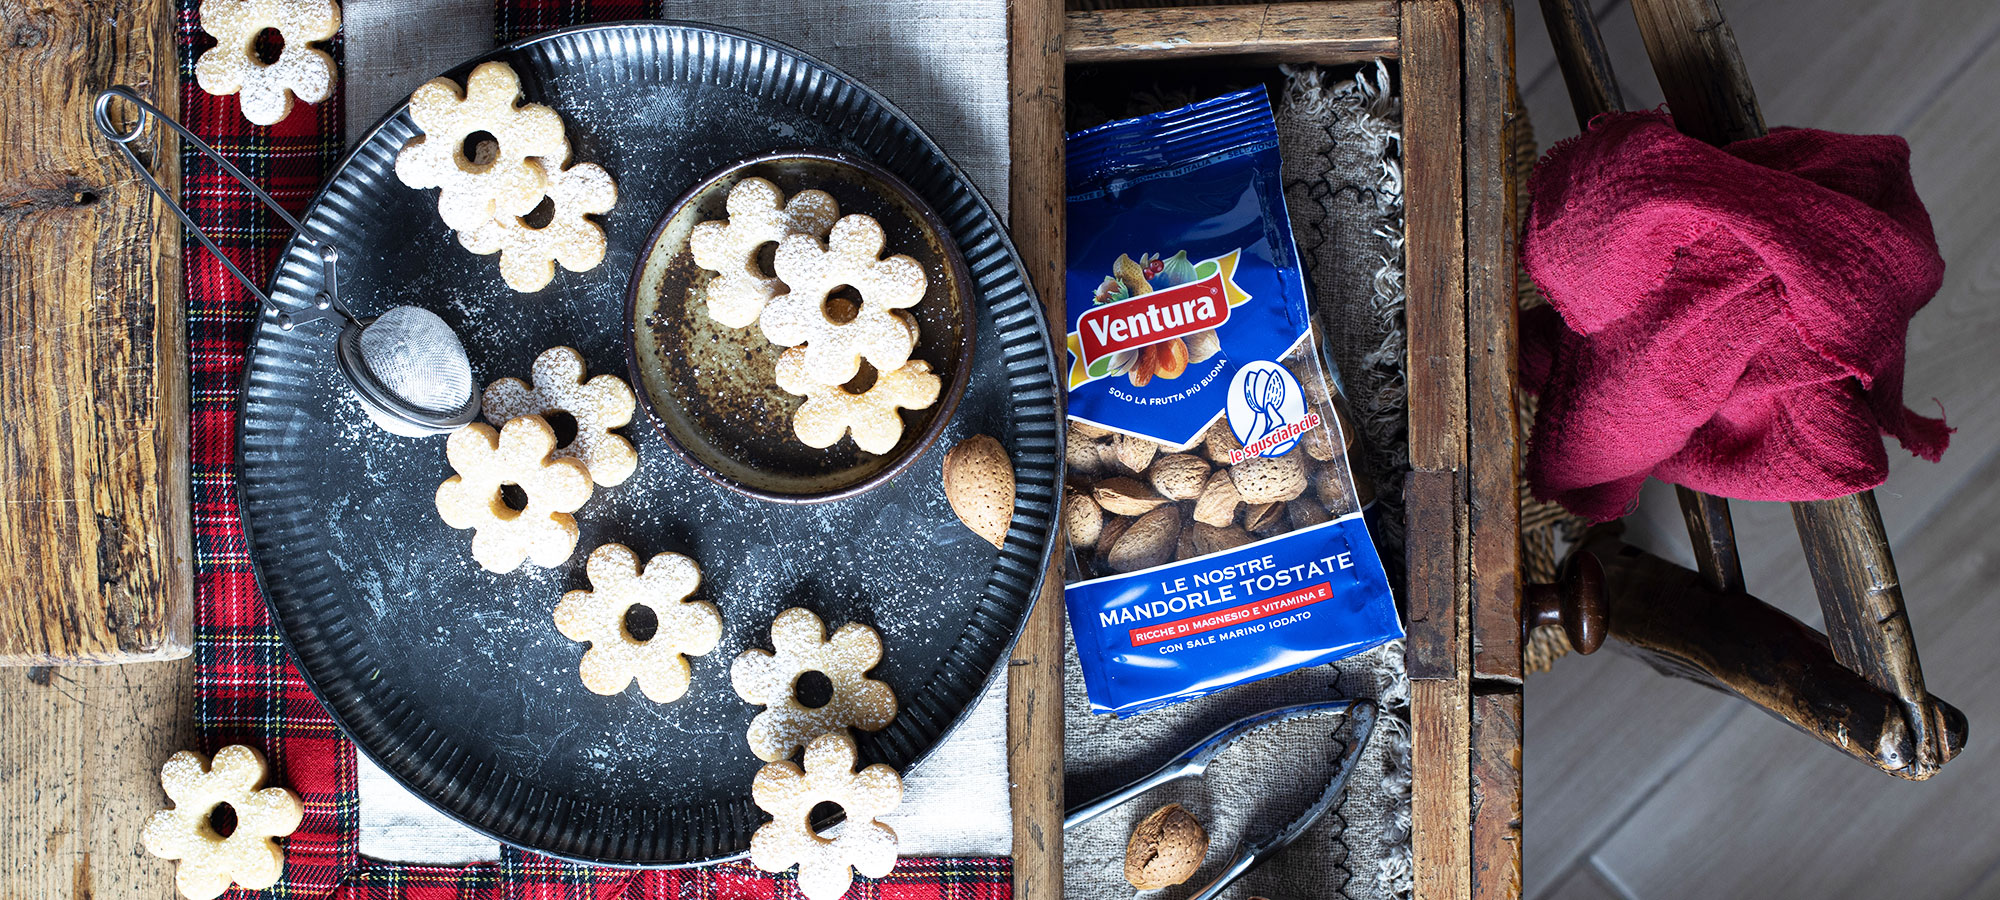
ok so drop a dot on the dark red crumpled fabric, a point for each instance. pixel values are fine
(1731, 319)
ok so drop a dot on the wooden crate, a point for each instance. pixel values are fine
(1456, 62)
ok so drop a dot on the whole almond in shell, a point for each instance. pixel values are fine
(1082, 460)
(1219, 440)
(1309, 379)
(1124, 496)
(1134, 453)
(1263, 517)
(1148, 543)
(979, 483)
(1179, 476)
(1306, 512)
(1268, 479)
(1218, 501)
(1082, 518)
(1165, 849)
(1318, 442)
(1114, 528)
(1347, 429)
(1080, 452)
(1090, 432)
(1107, 456)
(1185, 548)
(1210, 539)
(1330, 486)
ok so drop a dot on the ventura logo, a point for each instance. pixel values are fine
(1151, 318)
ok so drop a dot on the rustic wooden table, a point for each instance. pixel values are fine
(96, 522)
(93, 365)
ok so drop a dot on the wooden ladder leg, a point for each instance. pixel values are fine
(1866, 622)
(1586, 67)
(1593, 91)
(1714, 537)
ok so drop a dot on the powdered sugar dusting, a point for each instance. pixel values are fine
(878, 332)
(475, 656)
(771, 680)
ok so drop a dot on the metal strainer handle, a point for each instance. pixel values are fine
(326, 304)
(421, 383)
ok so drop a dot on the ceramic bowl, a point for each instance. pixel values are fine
(712, 390)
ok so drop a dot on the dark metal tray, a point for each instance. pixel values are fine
(454, 679)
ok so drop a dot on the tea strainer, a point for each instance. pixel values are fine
(407, 367)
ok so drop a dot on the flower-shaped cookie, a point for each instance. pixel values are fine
(789, 793)
(508, 176)
(597, 406)
(685, 627)
(759, 214)
(528, 255)
(519, 454)
(879, 332)
(832, 410)
(771, 679)
(208, 860)
(232, 65)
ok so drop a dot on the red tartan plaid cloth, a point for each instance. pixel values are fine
(246, 689)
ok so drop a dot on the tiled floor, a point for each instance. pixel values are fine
(1641, 787)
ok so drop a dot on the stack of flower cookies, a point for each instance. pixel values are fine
(504, 176)
(803, 304)
(788, 790)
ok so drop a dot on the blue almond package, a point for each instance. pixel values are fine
(1218, 535)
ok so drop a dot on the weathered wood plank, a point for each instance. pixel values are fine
(94, 532)
(1433, 548)
(1491, 316)
(1035, 746)
(1493, 453)
(80, 755)
(1327, 33)
(1493, 502)
(1434, 254)
(1440, 791)
(1434, 264)
(1496, 796)
(1035, 680)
